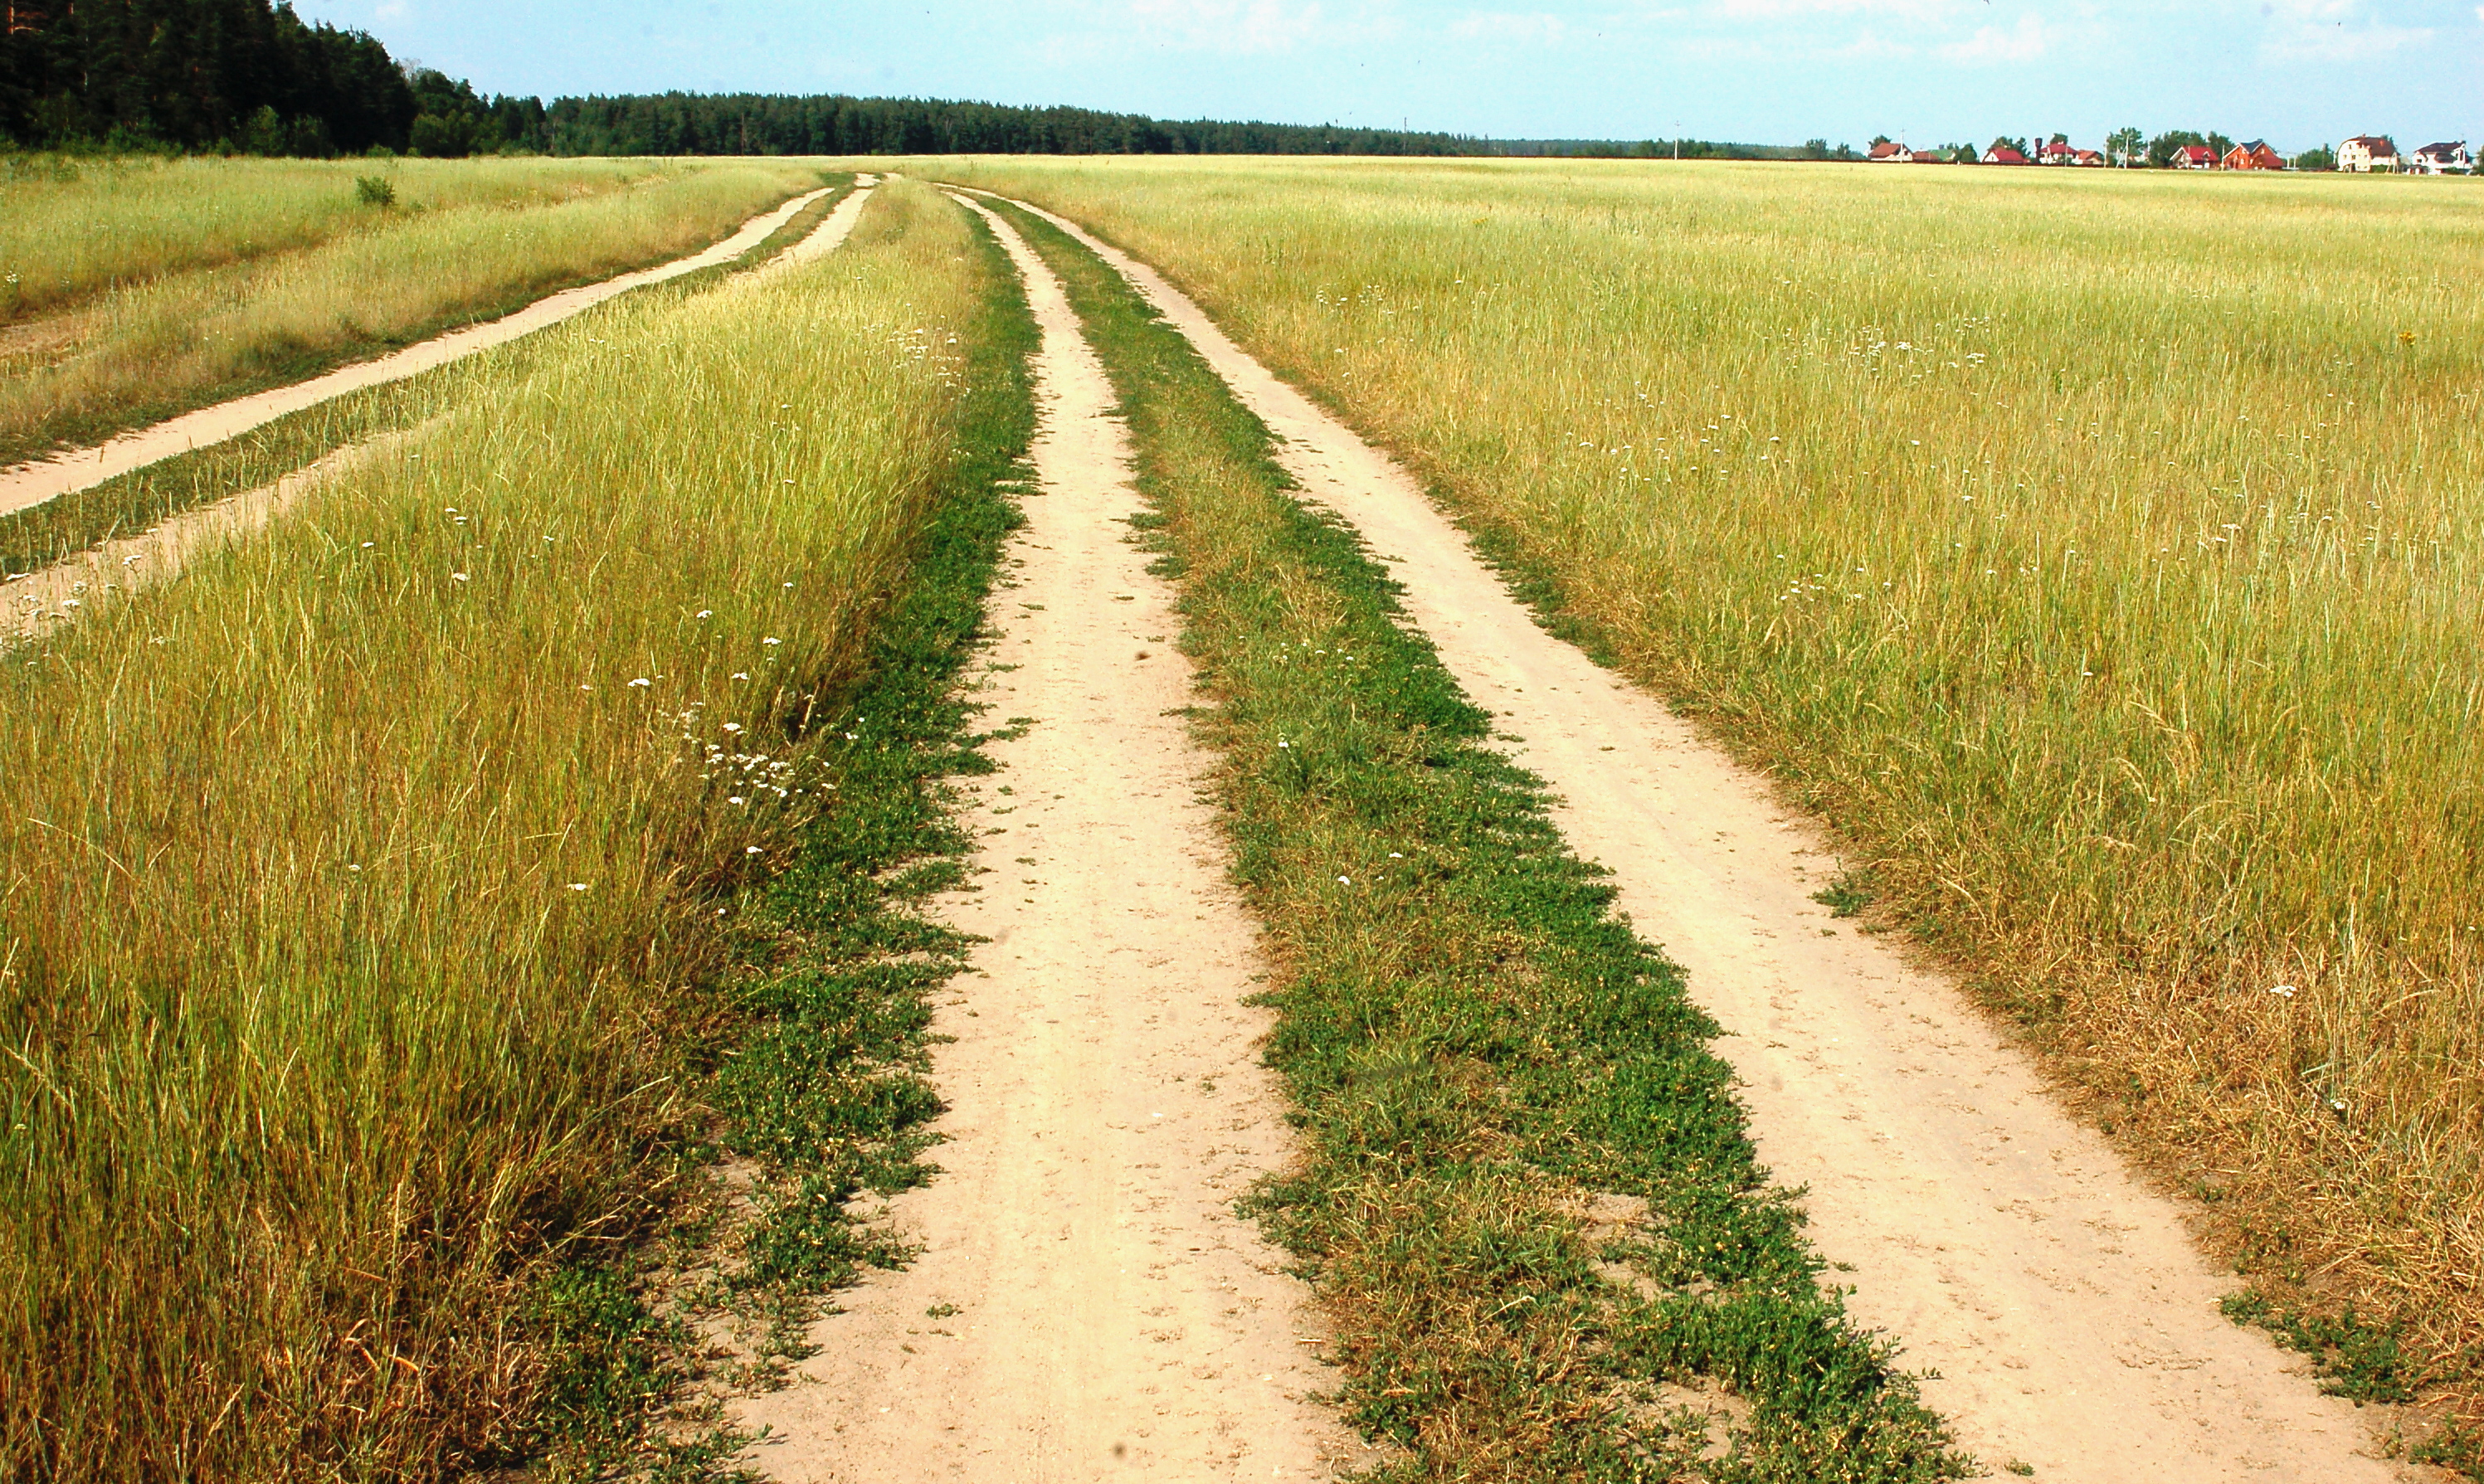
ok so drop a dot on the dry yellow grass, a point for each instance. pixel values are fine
(353, 878)
(2099, 551)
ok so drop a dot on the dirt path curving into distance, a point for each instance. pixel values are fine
(2072, 1324)
(36, 602)
(1085, 1305)
(38, 480)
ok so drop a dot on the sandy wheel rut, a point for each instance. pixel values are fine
(1086, 1305)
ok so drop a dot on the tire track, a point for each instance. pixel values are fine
(1086, 1304)
(2069, 1321)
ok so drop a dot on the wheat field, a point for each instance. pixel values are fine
(2099, 553)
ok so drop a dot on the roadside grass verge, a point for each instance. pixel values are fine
(1527, 1200)
(128, 356)
(372, 891)
(2119, 612)
(59, 528)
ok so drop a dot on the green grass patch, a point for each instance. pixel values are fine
(1525, 1198)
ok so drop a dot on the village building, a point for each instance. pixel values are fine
(2366, 152)
(2441, 158)
(1929, 157)
(2003, 154)
(2255, 155)
(2088, 159)
(2194, 157)
(1887, 153)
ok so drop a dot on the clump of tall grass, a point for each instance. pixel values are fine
(171, 341)
(2101, 553)
(358, 877)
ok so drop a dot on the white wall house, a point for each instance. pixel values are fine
(2367, 152)
(2434, 159)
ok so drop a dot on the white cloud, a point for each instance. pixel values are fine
(2024, 41)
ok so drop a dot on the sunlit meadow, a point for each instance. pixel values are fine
(2099, 552)
(355, 878)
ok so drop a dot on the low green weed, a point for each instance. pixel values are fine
(2357, 1357)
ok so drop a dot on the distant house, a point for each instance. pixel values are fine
(2255, 155)
(2003, 154)
(1929, 157)
(2435, 159)
(2092, 159)
(2195, 157)
(2366, 152)
(1887, 153)
(2055, 152)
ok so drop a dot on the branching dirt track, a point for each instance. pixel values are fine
(2070, 1322)
(30, 483)
(1086, 1304)
(118, 568)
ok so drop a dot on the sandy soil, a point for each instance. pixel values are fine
(2072, 1324)
(33, 482)
(36, 602)
(1086, 1306)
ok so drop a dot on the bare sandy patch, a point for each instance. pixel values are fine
(2067, 1318)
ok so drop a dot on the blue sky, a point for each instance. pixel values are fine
(2297, 73)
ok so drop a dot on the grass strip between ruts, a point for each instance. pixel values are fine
(1526, 1197)
(61, 527)
(812, 1070)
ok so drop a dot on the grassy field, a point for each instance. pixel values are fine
(365, 883)
(203, 278)
(2099, 553)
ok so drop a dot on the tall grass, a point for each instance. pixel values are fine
(73, 227)
(356, 879)
(2100, 552)
(170, 341)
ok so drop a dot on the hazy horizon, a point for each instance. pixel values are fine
(2297, 73)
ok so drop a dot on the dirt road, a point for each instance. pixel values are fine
(33, 482)
(2072, 1325)
(1086, 1306)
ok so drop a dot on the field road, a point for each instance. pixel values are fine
(32, 603)
(2071, 1324)
(1086, 1305)
(30, 483)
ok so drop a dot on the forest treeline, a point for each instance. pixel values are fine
(252, 77)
